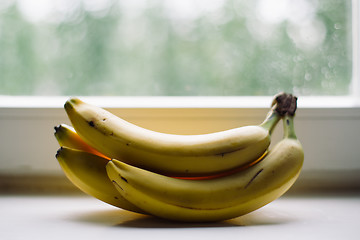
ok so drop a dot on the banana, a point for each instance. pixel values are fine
(67, 137)
(213, 199)
(87, 171)
(170, 154)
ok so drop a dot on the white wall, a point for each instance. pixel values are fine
(330, 136)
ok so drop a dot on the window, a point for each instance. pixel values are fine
(45, 50)
(175, 48)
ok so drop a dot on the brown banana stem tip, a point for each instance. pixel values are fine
(285, 103)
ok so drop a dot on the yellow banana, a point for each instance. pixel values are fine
(67, 137)
(213, 199)
(87, 172)
(175, 155)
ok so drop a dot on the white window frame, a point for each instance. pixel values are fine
(328, 127)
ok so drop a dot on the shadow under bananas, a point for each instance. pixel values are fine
(125, 219)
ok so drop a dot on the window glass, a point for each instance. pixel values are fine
(175, 48)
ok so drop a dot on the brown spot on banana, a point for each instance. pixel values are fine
(94, 123)
(124, 179)
(253, 178)
(114, 182)
(223, 153)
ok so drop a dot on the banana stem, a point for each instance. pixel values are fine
(271, 120)
(283, 106)
(289, 129)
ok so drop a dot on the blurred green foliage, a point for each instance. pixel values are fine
(237, 48)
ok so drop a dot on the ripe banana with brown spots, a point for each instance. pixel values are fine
(170, 154)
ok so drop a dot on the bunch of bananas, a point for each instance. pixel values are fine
(192, 178)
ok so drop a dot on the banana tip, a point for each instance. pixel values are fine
(58, 152)
(117, 163)
(110, 166)
(57, 128)
(71, 102)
